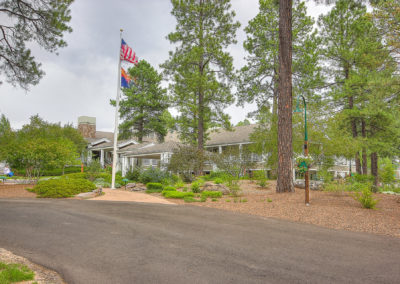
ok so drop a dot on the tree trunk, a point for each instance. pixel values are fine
(374, 168)
(355, 134)
(364, 150)
(200, 126)
(141, 127)
(353, 121)
(285, 166)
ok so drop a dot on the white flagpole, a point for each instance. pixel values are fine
(115, 157)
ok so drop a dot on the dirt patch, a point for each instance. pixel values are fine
(42, 274)
(125, 195)
(337, 211)
(16, 191)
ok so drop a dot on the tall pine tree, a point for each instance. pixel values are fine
(200, 69)
(259, 79)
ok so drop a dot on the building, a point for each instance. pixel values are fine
(152, 153)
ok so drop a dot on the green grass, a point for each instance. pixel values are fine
(228, 200)
(178, 194)
(11, 273)
(212, 194)
(214, 199)
(269, 200)
(243, 200)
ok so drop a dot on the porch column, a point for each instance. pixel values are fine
(102, 158)
(89, 156)
(124, 165)
(220, 149)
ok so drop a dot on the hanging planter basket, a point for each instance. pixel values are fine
(303, 164)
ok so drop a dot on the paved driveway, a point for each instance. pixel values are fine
(118, 242)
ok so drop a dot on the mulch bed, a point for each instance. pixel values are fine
(16, 191)
(331, 210)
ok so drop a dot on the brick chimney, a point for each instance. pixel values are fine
(87, 126)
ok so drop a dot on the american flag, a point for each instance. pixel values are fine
(127, 53)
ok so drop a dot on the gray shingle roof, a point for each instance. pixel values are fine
(240, 134)
(154, 149)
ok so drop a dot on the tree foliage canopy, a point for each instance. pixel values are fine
(144, 106)
(41, 21)
(200, 68)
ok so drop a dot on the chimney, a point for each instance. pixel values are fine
(87, 126)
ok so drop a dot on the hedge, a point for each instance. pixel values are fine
(54, 172)
(60, 188)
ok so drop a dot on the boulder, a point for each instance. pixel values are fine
(209, 186)
(135, 187)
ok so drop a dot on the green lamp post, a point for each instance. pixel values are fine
(306, 174)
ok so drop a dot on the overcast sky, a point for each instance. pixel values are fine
(83, 77)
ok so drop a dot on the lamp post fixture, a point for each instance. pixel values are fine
(306, 174)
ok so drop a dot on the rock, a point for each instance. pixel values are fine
(131, 185)
(135, 187)
(86, 194)
(209, 186)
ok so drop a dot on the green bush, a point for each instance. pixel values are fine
(75, 176)
(219, 174)
(179, 183)
(153, 175)
(167, 189)
(134, 173)
(189, 199)
(218, 181)
(366, 199)
(60, 188)
(195, 187)
(212, 194)
(262, 183)
(155, 186)
(259, 175)
(362, 178)
(178, 194)
(359, 186)
(335, 186)
(100, 182)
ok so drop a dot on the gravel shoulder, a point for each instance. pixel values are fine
(42, 274)
(330, 210)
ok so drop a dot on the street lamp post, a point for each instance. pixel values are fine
(306, 174)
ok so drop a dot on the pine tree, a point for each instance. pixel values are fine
(259, 79)
(143, 105)
(200, 68)
(41, 21)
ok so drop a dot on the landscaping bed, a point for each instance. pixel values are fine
(331, 210)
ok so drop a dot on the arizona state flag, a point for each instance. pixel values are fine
(125, 79)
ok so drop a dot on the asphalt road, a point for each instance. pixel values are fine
(114, 242)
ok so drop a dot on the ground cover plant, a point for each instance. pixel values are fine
(178, 194)
(154, 187)
(61, 188)
(212, 194)
(14, 272)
